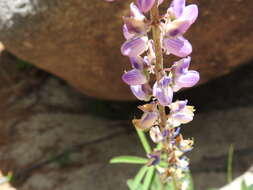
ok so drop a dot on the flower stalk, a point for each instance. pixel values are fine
(146, 57)
(156, 34)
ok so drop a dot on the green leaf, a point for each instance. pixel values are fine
(244, 185)
(130, 184)
(148, 178)
(189, 178)
(129, 160)
(143, 140)
(139, 177)
(230, 164)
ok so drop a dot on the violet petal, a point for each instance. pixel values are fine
(145, 5)
(181, 67)
(137, 62)
(126, 33)
(178, 7)
(136, 12)
(141, 92)
(177, 28)
(164, 94)
(190, 13)
(134, 77)
(187, 80)
(135, 46)
(148, 119)
(135, 26)
(177, 46)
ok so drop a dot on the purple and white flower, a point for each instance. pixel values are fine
(182, 77)
(162, 91)
(135, 77)
(145, 5)
(135, 46)
(179, 20)
(142, 92)
(156, 134)
(180, 113)
(147, 120)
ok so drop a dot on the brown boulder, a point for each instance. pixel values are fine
(79, 41)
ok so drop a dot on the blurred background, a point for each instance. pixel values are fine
(65, 111)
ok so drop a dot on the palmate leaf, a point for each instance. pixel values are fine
(148, 178)
(128, 160)
(144, 141)
(138, 178)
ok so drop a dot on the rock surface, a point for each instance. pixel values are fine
(79, 40)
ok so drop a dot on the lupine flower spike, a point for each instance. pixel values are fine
(162, 116)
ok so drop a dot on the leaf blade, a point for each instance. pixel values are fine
(144, 141)
(139, 176)
(148, 178)
(128, 160)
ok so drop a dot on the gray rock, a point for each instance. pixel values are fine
(79, 40)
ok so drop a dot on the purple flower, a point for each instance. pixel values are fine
(136, 12)
(178, 46)
(180, 18)
(145, 5)
(178, 10)
(137, 62)
(176, 28)
(183, 77)
(183, 163)
(147, 120)
(156, 134)
(180, 113)
(126, 33)
(135, 46)
(178, 7)
(142, 92)
(135, 77)
(163, 91)
(155, 158)
(151, 57)
(135, 24)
